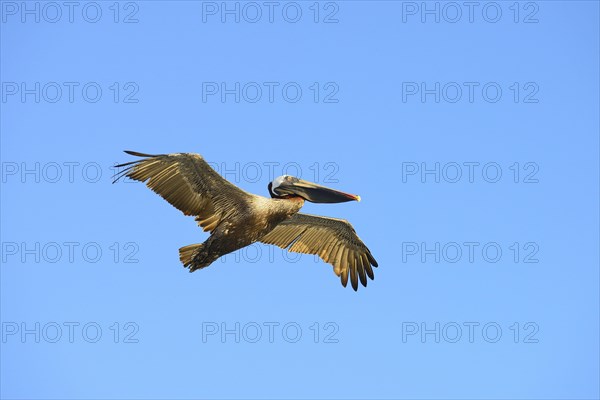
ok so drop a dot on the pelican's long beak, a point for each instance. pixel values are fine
(315, 193)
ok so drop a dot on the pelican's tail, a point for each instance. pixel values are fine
(194, 257)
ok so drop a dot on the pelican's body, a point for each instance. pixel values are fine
(237, 219)
(251, 222)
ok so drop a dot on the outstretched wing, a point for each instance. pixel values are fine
(334, 240)
(187, 182)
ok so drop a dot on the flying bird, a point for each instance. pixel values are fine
(236, 219)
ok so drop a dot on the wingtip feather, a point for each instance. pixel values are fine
(138, 154)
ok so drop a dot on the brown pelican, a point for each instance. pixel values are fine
(237, 219)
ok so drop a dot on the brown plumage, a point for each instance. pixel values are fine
(237, 219)
(333, 240)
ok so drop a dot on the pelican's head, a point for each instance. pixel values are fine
(287, 186)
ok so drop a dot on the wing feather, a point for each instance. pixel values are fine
(189, 184)
(367, 265)
(361, 269)
(353, 275)
(333, 240)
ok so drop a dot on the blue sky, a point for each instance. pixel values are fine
(470, 132)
